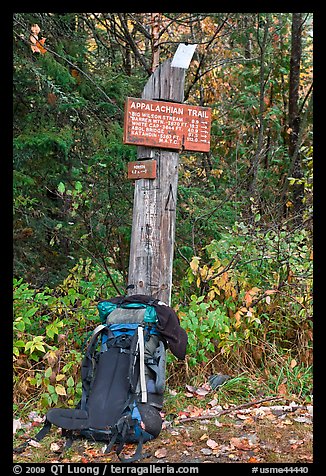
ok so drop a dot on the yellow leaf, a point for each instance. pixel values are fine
(293, 363)
(211, 295)
(60, 390)
(60, 377)
(254, 290)
(203, 272)
(195, 264)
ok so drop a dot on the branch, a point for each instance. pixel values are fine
(70, 63)
(230, 410)
(133, 45)
(198, 71)
(305, 98)
(235, 258)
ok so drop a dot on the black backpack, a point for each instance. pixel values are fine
(123, 376)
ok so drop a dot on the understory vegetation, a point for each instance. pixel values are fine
(243, 259)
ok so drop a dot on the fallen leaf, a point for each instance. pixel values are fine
(188, 443)
(34, 443)
(92, 453)
(35, 417)
(36, 423)
(211, 443)
(160, 453)
(233, 456)
(217, 423)
(196, 412)
(206, 451)
(296, 442)
(241, 416)
(201, 391)
(241, 443)
(16, 425)
(213, 402)
(293, 363)
(302, 419)
(54, 447)
(190, 388)
(182, 414)
(204, 437)
(282, 389)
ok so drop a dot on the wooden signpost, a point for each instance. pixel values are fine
(161, 126)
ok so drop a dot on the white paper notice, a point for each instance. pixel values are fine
(183, 56)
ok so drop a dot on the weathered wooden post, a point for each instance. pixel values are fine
(165, 130)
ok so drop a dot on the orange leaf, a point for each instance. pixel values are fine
(188, 443)
(248, 298)
(241, 443)
(39, 45)
(237, 316)
(282, 389)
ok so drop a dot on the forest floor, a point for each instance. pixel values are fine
(270, 430)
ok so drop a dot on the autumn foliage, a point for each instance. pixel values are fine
(242, 279)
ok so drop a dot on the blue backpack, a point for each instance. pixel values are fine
(123, 380)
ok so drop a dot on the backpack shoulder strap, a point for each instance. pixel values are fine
(88, 364)
(142, 378)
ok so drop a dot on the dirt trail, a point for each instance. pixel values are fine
(259, 434)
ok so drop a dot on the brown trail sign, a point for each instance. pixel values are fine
(168, 125)
(154, 211)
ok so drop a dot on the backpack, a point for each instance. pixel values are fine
(123, 378)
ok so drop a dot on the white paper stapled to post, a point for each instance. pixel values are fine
(183, 56)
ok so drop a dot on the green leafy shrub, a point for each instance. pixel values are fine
(51, 327)
(245, 292)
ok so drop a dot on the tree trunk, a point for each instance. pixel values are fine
(262, 83)
(294, 117)
(295, 169)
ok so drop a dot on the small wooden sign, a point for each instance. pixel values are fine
(142, 169)
(166, 124)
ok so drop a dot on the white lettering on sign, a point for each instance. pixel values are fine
(158, 108)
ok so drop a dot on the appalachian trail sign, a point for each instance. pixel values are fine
(168, 125)
(161, 126)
